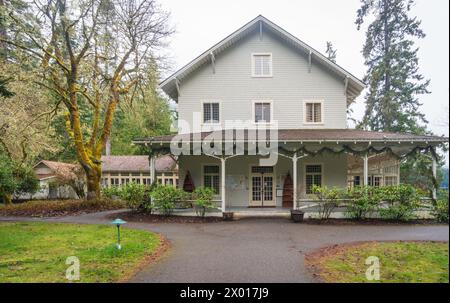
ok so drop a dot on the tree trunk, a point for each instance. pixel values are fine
(7, 199)
(387, 77)
(93, 176)
(3, 49)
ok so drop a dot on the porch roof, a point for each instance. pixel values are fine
(300, 136)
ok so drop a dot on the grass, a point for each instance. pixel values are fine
(400, 262)
(52, 208)
(37, 252)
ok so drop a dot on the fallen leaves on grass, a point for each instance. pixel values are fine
(56, 208)
(403, 262)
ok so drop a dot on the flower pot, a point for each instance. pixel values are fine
(297, 215)
(228, 216)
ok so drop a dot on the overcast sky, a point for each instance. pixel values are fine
(200, 24)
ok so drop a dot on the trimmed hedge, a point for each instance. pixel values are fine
(397, 202)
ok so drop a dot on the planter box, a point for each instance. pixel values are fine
(297, 215)
(228, 216)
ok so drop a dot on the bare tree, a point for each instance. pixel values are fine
(93, 55)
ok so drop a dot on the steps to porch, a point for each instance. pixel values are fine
(243, 212)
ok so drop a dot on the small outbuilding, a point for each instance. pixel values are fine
(54, 178)
(120, 170)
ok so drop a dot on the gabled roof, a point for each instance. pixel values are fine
(137, 164)
(169, 85)
(65, 170)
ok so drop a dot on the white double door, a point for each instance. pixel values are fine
(262, 186)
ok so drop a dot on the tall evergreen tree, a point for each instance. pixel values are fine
(392, 67)
(331, 52)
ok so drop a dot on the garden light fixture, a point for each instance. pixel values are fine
(118, 222)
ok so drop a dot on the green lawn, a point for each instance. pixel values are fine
(405, 262)
(37, 252)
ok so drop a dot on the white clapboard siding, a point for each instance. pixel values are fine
(290, 86)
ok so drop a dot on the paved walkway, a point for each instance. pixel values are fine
(252, 250)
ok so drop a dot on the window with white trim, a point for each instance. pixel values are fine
(211, 177)
(313, 112)
(356, 180)
(262, 65)
(313, 176)
(115, 181)
(211, 112)
(375, 181)
(262, 112)
(390, 180)
(391, 169)
(104, 182)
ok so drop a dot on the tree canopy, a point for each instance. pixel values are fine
(93, 56)
(393, 76)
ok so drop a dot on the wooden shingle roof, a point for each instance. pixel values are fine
(137, 164)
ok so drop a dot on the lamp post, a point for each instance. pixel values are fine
(118, 222)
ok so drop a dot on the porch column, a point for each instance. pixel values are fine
(434, 170)
(366, 169)
(294, 177)
(222, 188)
(152, 169)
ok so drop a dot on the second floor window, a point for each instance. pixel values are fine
(262, 112)
(313, 112)
(262, 65)
(211, 112)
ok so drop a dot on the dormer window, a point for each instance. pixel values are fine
(211, 112)
(262, 65)
(313, 112)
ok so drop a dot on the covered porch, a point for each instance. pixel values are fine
(303, 158)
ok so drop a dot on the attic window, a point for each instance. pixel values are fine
(262, 65)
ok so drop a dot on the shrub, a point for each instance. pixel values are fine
(328, 200)
(166, 197)
(203, 197)
(15, 178)
(133, 194)
(362, 201)
(27, 180)
(401, 202)
(440, 208)
(8, 183)
(111, 192)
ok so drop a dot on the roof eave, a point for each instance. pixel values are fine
(434, 140)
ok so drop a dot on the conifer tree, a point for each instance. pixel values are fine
(393, 78)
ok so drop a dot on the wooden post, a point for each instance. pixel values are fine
(294, 177)
(222, 188)
(152, 169)
(366, 169)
